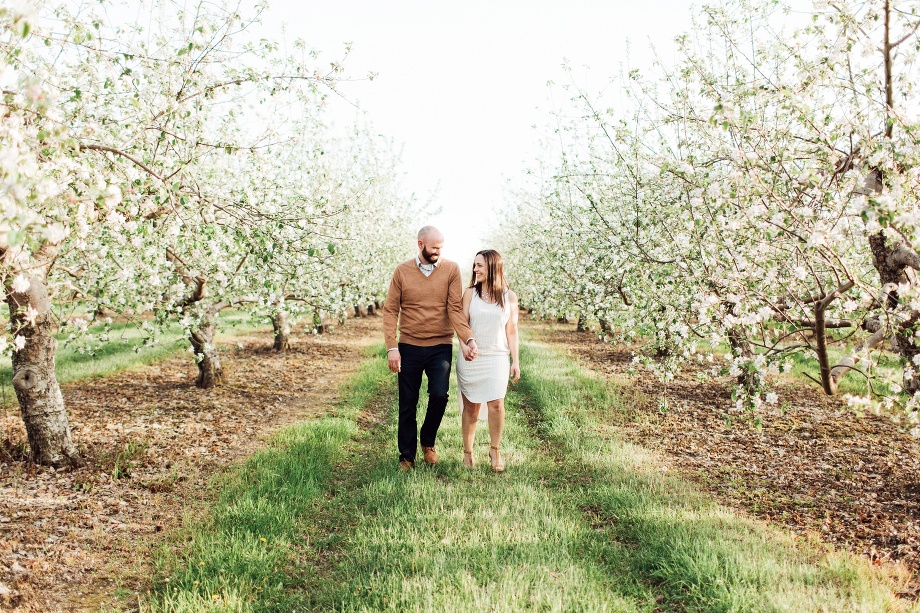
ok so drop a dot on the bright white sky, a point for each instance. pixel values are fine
(461, 85)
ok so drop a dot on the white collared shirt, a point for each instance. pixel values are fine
(426, 269)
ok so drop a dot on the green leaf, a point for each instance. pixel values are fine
(15, 237)
(331, 248)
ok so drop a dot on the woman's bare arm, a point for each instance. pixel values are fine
(511, 331)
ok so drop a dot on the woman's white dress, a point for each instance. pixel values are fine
(486, 377)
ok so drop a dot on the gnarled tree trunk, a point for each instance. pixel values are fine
(582, 324)
(893, 259)
(605, 326)
(210, 372)
(40, 400)
(282, 331)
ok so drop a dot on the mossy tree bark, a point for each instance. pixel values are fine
(210, 371)
(40, 400)
(282, 330)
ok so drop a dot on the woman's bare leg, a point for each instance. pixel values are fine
(496, 425)
(468, 427)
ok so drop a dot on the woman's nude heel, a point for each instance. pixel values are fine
(468, 459)
(497, 466)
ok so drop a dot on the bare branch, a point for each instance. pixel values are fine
(125, 155)
(906, 36)
(903, 257)
(220, 306)
(196, 285)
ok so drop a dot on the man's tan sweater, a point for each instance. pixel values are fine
(429, 309)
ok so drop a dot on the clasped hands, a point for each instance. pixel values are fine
(470, 350)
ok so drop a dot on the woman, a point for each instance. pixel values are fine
(492, 311)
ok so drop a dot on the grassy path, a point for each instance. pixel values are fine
(579, 522)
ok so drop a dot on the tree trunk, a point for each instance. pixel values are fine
(282, 331)
(892, 259)
(359, 311)
(35, 382)
(371, 310)
(582, 325)
(318, 326)
(210, 372)
(749, 379)
(605, 326)
(102, 312)
(905, 344)
(562, 319)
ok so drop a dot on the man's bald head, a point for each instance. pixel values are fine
(430, 241)
(430, 232)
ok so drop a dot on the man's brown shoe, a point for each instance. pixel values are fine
(406, 465)
(431, 456)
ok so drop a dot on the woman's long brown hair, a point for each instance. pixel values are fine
(495, 284)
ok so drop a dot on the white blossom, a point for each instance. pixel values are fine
(21, 284)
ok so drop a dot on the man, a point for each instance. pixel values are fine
(425, 297)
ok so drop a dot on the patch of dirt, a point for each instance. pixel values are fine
(69, 539)
(814, 465)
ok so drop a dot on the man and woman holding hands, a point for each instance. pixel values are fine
(426, 301)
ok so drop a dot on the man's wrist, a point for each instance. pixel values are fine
(392, 349)
(470, 340)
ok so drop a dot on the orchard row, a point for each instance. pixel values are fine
(758, 197)
(166, 170)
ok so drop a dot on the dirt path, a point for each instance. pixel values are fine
(69, 539)
(814, 465)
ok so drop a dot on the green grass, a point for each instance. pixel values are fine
(125, 350)
(885, 366)
(697, 555)
(245, 555)
(324, 520)
(450, 539)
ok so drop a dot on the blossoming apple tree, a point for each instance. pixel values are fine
(760, 193)
(171, 170)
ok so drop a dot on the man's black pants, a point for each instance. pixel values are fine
(435, 362)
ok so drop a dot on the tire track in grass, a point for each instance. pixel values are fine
(447, 538)
(697, 555)
(247, 554)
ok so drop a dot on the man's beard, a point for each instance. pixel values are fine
(431, 258)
